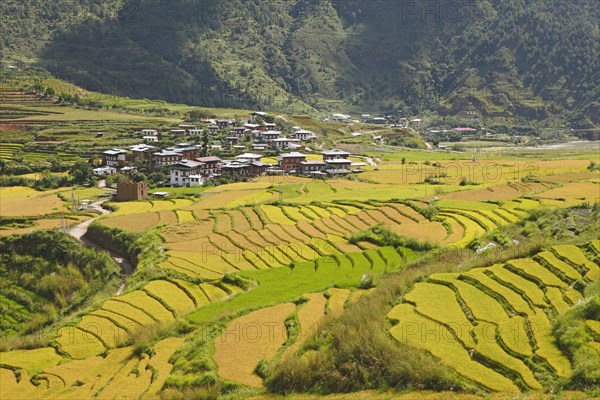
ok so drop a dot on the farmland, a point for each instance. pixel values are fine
(298, 259)
(490, 319)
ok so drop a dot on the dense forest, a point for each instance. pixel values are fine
(521, 59)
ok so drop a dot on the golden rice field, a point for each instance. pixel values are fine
(122, 317)
(118, 374)
(498, 313)
(249, 339)
(26, 202)
(486, 324)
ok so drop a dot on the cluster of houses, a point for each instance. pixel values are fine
(262, 135)
(188, 169)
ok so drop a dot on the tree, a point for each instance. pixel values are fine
(197, 115)
(82, 173)
(204, 144)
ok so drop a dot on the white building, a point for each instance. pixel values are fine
(187, 173)
(104, 171)
(280, 143)
(303, 135)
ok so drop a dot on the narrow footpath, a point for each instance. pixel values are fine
(78, 232)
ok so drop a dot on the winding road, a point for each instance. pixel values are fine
(78, 232)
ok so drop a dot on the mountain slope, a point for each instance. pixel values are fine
(518, 59)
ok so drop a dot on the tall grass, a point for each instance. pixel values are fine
(355, 352)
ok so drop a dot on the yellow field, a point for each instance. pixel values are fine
(249, 339)
(336, 301)
(39, 224)
(310, 315)
(79, 344)
(33, 361)
(26, 202)
(171, 295)
(135, 222)
(111, 376)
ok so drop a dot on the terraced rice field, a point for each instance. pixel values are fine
(26, 202)
(118, 374)
(8, 150)
(122, 317)
(268, 236)
(499, 314)
(249, 339)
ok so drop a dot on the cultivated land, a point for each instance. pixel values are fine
(235, 281)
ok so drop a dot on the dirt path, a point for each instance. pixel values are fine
(78, 232)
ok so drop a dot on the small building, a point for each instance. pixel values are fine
(131, 190)
(177, 131)
(340, 117)
(238, 131)
(312, 167)
(114, 157)
(338, 163)
(267, 136)
(252, 127)
(337, 172)
(188, 151)
(280, 143)
(235, 168)
(211, 165)
(182, 171)
(303, 135)
(231, 140)
(270, 127)
(150, 139)
(194, 132)
(249, 157)
(379, 120)
(104, 171)
(258, 147)
(291, 161)
(166, 157)
(223, 123)
(142, 151)
(149, 132)
(334, 154)
(213, 130)
(257, 168)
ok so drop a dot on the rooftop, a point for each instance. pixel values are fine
(249, 156)
(115, 151)
(208, 159)
(335, 152)
(292, 154)
(187, 164)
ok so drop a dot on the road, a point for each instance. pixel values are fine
(78, 232)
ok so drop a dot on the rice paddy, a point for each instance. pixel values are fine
(289, 240)
(500, 312)
(250, 339)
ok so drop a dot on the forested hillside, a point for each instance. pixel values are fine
(518, 59)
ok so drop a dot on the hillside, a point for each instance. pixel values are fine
(513, 61)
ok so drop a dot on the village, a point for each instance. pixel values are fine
(192, 165)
